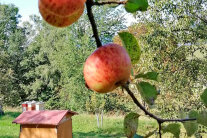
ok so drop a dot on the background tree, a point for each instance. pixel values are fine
(12, 42)
(54, 59)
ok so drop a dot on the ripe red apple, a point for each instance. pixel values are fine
(107, 68)
(61, 13)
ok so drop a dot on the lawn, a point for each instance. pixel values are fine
(7, 129)
(84, 125)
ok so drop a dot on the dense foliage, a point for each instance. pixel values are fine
(12, 42)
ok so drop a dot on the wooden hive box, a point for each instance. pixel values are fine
(45, 124)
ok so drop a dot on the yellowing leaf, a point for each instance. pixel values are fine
(131, 124)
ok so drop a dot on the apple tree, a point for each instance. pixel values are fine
(111, 65)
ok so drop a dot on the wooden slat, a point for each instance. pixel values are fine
(28, 132)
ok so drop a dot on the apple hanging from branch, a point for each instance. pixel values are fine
(61, 13)
(107, 67)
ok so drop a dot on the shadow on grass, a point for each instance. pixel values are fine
(11, 114)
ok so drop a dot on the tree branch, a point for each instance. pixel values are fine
(109, 2)
(89, 4)
(160, 120)
(160, 128)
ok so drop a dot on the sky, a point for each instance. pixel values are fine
(26, 7)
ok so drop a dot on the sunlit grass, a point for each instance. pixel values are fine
(7, 129)
(84, 125)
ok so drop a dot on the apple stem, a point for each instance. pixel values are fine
(89, 4)
(119, 83)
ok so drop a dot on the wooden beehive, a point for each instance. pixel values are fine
(45, 124)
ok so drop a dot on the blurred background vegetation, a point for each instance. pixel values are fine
(43, 63)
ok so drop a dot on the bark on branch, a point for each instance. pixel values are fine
(109, 2)
(89, 4)
(160, 120)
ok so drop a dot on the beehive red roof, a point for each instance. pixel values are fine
(46, 117)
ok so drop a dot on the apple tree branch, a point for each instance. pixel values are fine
(109, 2)
(89, 4)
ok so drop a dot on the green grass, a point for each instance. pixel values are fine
(7, 129)
(84, 125)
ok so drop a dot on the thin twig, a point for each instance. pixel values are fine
(138, 103)
(179, 120)
(160, 120)
(160, 128)
(89, 4)
(109, 2)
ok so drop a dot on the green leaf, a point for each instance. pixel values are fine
(191, 127)
(204, 97)
(202, 118)
(131, 45)
(173, 128)
(136, 5)
(137, 136)
(149, 75)
(193, 114)
(148, 92)
(131, 124)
